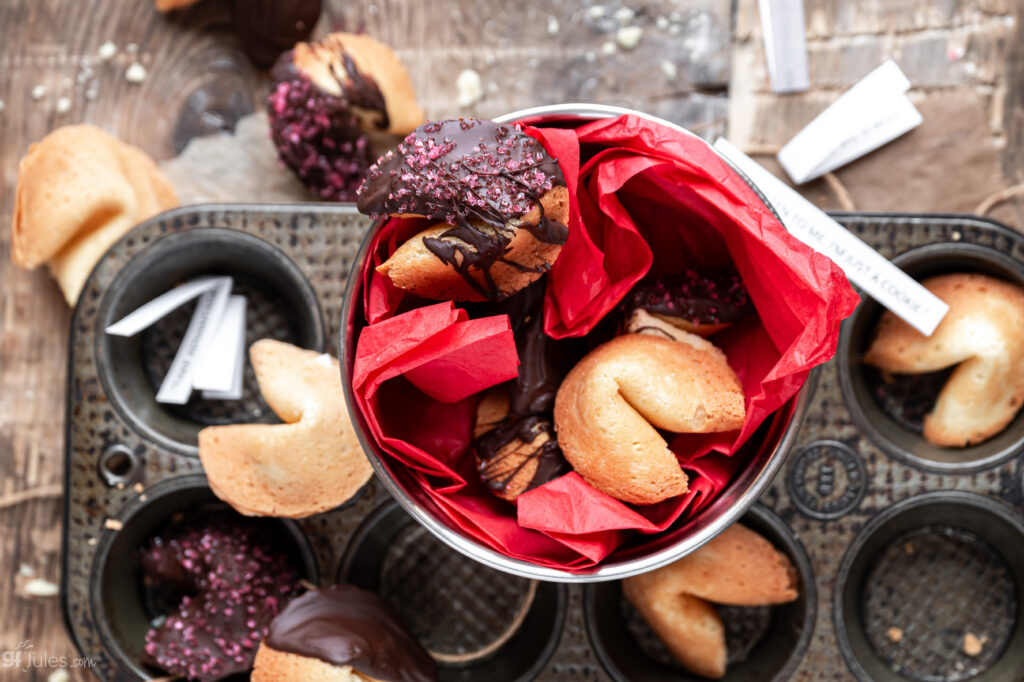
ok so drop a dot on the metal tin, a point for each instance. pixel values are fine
(742, 491)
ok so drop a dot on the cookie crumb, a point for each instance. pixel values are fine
(107, 51)
(624, 15)
(143, 497)
(470, 89)
(608, 49)
(92, 542)
(113, 524)
(628, 37)
(136, 73)
(38, 92)
(894, 635)
(595, 12)
(661, 23)
(138, 487)
(131, 48)
(91, 94)
(119, 485)
(59, 675)
(37, 587)
(669, 69)
(973, 644)
(552, 26)
(26, 571)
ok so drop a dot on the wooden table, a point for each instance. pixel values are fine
(966, 60)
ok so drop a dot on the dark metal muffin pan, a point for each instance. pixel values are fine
(885, 530)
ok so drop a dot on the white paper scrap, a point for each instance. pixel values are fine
(873, 112)
(161, 306)
(785, 44)
(864, 266)
(177, 385)
(219, 368)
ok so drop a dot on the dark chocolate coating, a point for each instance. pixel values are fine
(344, 625)
(543, 363)
(223, 581)
(362, 92)
(465, 171)
(357, 89)
(269, 27)
(714, 297)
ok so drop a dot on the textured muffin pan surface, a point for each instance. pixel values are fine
(885, 530)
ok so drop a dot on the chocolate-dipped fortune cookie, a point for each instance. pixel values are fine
(501, 200)
(340, 634)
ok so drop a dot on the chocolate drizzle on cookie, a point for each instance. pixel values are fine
(907, 398)
(500, 463)
(478, 176)
(358, 91)
(345, 626)
(544, 362)
(703, 298)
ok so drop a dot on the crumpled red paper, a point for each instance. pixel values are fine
(645, 200)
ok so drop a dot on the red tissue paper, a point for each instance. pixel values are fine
(646, 200)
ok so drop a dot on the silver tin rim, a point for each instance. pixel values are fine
(705, 529)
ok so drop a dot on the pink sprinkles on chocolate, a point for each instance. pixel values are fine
(714, 297)
(319, 138)
(461, 168)
(465, 171)
(234, 585)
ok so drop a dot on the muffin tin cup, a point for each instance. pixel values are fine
(281, 304)
(497, 626)
(920, 577)
(123, 614)
(893, 437)
(765, 643)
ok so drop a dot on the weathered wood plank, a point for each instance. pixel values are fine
(955, 55)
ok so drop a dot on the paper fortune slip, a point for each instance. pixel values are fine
(177, 386)
(864, 266)
(220, 369)
(785, 44)
(211, 356)
(871, 113)
(163, 305)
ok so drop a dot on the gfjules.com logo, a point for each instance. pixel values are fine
(26, 657)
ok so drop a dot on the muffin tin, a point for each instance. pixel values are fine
(885, 531)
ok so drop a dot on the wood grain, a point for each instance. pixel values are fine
(199, 81)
